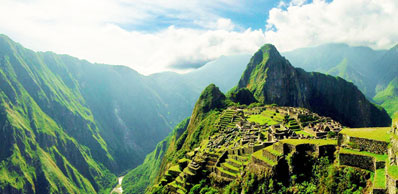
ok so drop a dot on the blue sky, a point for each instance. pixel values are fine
(250, 14)
(155, 35)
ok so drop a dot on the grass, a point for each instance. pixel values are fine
(380, 179)
(175, 168)
(229, 166)
(304, 133)
(227, 172)
(235, 161)
(187, 171)
(392, 171)
(377, 133)
(271, 150)
(378, 157)
(265, 118)
(259, 155)
(310, 141)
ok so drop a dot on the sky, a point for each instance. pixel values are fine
(177, 35)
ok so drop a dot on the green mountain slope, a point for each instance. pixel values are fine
(51, 143)
(370, 70)
(86, 121)
(137, 180)
(388, 98)
(212, 155)
(272, 79)
(210, 117)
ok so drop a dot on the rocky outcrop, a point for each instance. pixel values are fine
(272, 79)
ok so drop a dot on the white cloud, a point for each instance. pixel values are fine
(90, 29)
(357, 22)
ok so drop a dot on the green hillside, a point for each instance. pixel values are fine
(372, 71)
(234, 152)
(50, 141)
(273, 80)
(137, 180)
(70, 126)
(236, 144)
(388, 98)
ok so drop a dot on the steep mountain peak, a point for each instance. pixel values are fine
(210, 98)
(267, 51)
(267, 58)
(272, 79)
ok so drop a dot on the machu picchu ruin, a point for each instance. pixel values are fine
(279, 140)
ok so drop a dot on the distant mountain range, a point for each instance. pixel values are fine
(373, 71)
(69, 126)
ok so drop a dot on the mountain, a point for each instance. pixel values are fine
(387, 67)
(269, 78)
(69, 126)
(193, 130)
(272, 79)
(230, 148)
(370, 70)
(388, 97)
(89, 122)
(137, 180)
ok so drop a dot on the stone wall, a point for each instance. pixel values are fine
(270, 156)
(392, 152)
(369, 145)
(261, 162)
(392, 184)
(379, 191)
(360, 161)
(278, 147)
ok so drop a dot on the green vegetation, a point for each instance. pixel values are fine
(380, 178)
(378, 157)
(268, 117)
(89, 121)
(380, 134)
(392, 171)
(388, 98)
(259, 155)
(310, 141)
(138, 179)
(271, 150)
(304, 133)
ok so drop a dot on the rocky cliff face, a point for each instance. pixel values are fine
(272, 79)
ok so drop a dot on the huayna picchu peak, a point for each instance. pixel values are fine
(272, 79)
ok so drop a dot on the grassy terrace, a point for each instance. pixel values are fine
(271, 150)
(259, 155)
(227, 172)
(265, 118)
(378, 157)
(377, 133)
(392, 171)
(236, 162)
(380, 179)
(304, 133)
(175, 168)
(229, 166)
(310, 141)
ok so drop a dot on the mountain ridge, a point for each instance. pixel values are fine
(272, 79)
